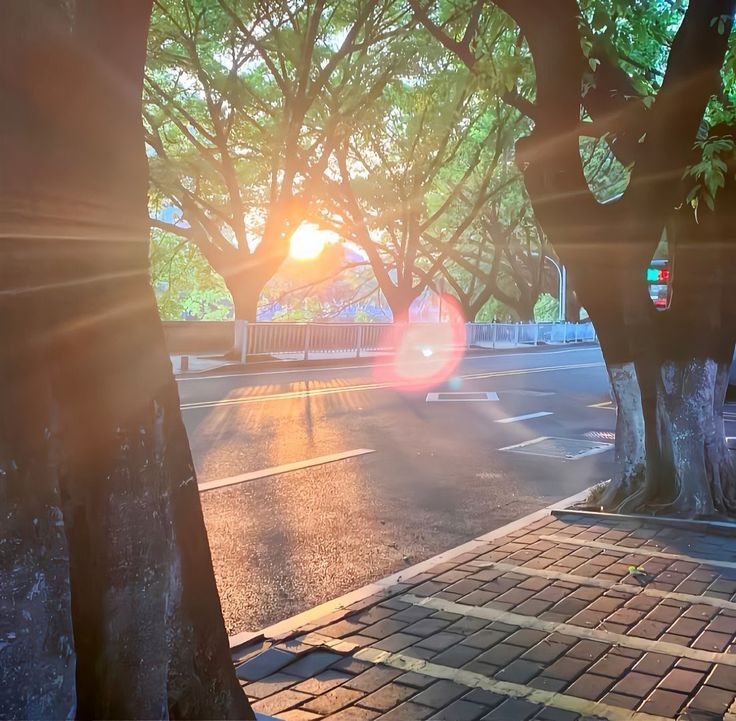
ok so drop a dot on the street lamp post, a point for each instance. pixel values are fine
(562, 273)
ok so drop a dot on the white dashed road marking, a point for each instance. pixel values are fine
(276, 470)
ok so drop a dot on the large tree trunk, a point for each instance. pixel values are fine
(109, 604)
(245, 289)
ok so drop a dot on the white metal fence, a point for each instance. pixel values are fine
(325, 340)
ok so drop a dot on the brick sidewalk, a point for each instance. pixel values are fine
(543, 623)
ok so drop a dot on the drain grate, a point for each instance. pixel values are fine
(461, 396)
(564, 449)
(608, 436)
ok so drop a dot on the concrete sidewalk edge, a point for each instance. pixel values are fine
(291, 624)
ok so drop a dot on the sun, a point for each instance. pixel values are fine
(308, 242)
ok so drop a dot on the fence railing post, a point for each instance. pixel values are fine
(536, 334)
(243, 341)
(493, 336)
(359, 341)
(516, 335)
(307, 338)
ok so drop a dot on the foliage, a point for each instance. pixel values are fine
(186, 286)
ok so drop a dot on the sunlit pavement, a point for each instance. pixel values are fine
(542, 621)
(434, 477)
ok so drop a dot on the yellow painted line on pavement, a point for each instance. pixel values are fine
(645, 551)
(609, 637)
(332, 390)
(630, 588)
(551, 699)
(285, 468)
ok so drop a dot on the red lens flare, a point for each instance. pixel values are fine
(424, 355)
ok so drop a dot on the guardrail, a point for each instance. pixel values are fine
(323, 340)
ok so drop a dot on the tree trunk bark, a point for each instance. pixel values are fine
(245, 289)
(110, 608)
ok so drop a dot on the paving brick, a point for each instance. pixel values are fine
(636, 684)
(351, 665)
(723, 677)
(456, 656)
(312, 663)
(618, 699)
(428, 588)
(625, 616)
(649, 628)
(657, 664)
(588, 650)
(467, 585)
(413, 614)
(687, 627)
(426, 627)
(280, 701)
(440, 641)
(477, 598)
(642, 603)
(264, 664)
(566, 669)
(352, 713)
(692, 664)
(501, 654)
(710, 698)
(548, 684)
(519, 671)
(333, 701)
(372, 679)
(270, 685)
(467, 625)
(664, 614)
(702, 612)
(682, 680)
(387, 697)
(546, 652)
(590, 686)
(526, 638)
(383, 628)
(460, 710)
(711, 641)
(343, 628)
(439, 694)
(606, 604)
(420, 653)
(396, 642)
(408, 711)
(664, 703)
(484, 669)
(612, 665)
(415, 680)
(484, 698)
(484, 639)
(513, 708)
(322, 682)
(298, 714)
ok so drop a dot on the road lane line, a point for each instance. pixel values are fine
(548, 699)
(285, 468)
(643, 551)
(611, 638)
(332, 390)
(525, 417)
(630, 588)
(368, 366)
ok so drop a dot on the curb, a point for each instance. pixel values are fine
(720, 528)
(236, 367)
(332, 608)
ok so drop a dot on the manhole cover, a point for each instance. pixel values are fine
(566, 449)
(608, 436)
(467, 396)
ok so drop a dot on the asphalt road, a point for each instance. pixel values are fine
(436, 476)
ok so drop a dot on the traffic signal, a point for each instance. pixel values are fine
(658, 275)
